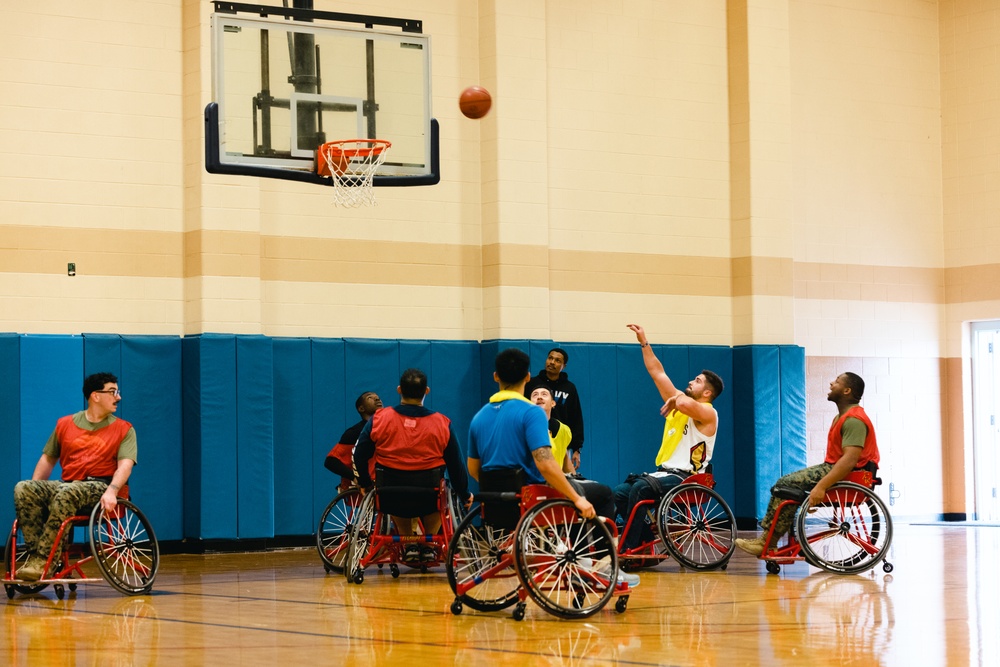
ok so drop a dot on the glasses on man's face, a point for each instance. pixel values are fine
(114, 392)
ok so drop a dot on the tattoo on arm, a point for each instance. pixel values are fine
(542, 454)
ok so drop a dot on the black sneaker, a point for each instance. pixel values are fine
(427, 554)
(411, 554)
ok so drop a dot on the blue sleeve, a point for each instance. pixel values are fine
(473, 445)
(536, 428)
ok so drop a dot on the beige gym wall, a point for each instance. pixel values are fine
(725, 172)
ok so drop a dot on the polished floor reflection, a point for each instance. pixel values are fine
(940, 606)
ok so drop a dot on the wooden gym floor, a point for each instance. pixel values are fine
(941, 606)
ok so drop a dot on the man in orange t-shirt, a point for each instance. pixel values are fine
(96, 450)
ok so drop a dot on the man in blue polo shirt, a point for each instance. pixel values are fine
(512, 432)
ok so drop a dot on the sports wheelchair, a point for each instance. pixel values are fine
(849, 532)
(530, 541)
(121, 543)
(371, 538)
(690, 523)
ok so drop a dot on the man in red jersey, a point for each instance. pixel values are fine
(96, 450)
(850, 445)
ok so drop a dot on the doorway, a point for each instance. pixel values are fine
(985, 417)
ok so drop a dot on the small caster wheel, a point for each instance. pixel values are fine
(773, 567)
(72, 588)
(887, 566)
(621, 604)
(359, 576)
(9, 590)
(380, 566)
(394, 571)
(60, 591)
(579, 599)
(423, 569)
(456, 607)
(519, 612)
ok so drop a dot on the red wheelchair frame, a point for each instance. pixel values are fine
(691, 523)
(568, 566)
(373, 540)
(852, 520)
(121, 544)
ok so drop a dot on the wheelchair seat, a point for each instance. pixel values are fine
(408, 494)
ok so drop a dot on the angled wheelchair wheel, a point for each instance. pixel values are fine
(849, 532)
(480, 565)
(360, 540)
(697, 527)
(10, 568)
(124, 547)
(333, 535)
(568, 564)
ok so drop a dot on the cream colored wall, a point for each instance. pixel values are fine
(90, 147)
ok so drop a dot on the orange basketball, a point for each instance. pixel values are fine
(475, 102)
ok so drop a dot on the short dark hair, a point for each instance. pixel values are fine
(561, 351)
(714, 381)
(546, 388)
(511, 365)
(96, 382)
(413, 383)
(361, 399)
(854, 382)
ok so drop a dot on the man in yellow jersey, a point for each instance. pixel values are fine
(688, 438)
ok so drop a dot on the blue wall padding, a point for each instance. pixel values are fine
(191, 434)
(719, 360)
(255, 436)
(213, 481)
(639, 425)
(454, 377)
(151, 370)
(10, 422)
(793, 408)
(293, 437)
(595, 367)
(102, 353)
(370, 365)
(744, 500)
(333, 411)
(51, 376)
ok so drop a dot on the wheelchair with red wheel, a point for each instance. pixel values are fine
(849, 532)
(368, 532)
(121, 544)
(530, 541)
(690, 523)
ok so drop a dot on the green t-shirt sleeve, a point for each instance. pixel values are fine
(128, 449)
(51, 447)
(853, 432)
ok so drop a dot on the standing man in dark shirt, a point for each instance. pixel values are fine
(339, 460)
(567, 409)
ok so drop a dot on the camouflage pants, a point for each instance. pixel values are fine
(804, 479)
(42, 506)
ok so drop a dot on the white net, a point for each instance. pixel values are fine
(352, 164)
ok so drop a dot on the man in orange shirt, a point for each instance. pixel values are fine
(97, 451)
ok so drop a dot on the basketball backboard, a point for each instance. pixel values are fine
(286, 80)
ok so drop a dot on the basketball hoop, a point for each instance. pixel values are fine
(351, 165)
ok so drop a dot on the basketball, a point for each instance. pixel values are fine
(475, 102)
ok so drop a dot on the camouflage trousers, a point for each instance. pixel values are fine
(42, 506)
(804, 479)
